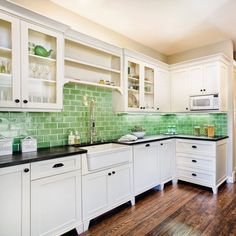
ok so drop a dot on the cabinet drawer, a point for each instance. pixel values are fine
(195, 163)
(197, 177)
(54, 166)
(202, 148)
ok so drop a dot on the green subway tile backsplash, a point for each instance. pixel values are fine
(51, 129)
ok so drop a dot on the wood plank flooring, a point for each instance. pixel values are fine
(178, 210)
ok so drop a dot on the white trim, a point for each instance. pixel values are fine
(231, 179)
(15, 9)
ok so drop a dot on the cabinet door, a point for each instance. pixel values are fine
(162, 91)
(133, 83)
(94, 194)
(55, 204)
(15, 201)
(166, 155)
(120, 184)
(196, 80)
(145, 167)
(180, 90)
(41, 74)
(212, 78)
(148, 85)
(9, 61)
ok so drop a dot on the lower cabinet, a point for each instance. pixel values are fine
(202, 162)
(105, 190)
(166, 157)
(146, 169)
(56, 198)
(154, 165)
(15, 201)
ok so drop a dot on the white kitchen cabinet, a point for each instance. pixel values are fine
(15, 201)
(166, 158)
(146, 169)
(56, 196)
(199, 77)
(9, 61)
(28, 81)
(162, 90)
(105, 190)
(202, 162)
(179, 90)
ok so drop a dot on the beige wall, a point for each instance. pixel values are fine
(225, 47)
(83, 25)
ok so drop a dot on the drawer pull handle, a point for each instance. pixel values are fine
(26, 170)
(161, 144)
(194, 146)
(113, 172)
(193, 174)
(147, 145)
(58, 165)
(109, 174)
(194, 161)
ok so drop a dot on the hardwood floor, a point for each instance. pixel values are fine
(179, 210)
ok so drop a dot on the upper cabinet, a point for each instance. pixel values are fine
(199, 77)
(142, 90)
(9, 61)
(31, 66)
(91, 61)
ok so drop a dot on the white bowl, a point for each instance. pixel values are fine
(139, 134)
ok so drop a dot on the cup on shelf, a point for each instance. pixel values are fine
(31, 47)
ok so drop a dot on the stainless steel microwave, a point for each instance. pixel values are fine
(204, 102)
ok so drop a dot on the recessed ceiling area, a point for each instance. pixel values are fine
(168, 26)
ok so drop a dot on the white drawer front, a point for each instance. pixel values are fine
(202, 148)
(195, 163)
(54, 166)
(197, 177)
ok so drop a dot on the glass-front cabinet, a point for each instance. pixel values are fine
(140, 85)
(42, 67)
(31, 66)
(9, 61)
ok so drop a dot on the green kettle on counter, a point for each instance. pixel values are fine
(41, 51)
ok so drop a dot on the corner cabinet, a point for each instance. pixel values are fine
(15, 200)
(28, 81)
(202, 76)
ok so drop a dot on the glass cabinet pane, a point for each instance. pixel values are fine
(149, 88)
(6, 82)
(133, 85)
(42, 67)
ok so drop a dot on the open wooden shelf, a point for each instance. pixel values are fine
(72, 80)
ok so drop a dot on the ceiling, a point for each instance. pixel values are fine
(168, 26)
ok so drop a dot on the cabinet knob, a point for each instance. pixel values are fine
(200, 90)
(158, 108)
(113, 172)
(193, 174)
(194, 146)
(25, 101)
(194, 161)
(26, 170)
(186, 108)
(17, 100)
(109, 174)
(161, 144)
(147, 145)
(204, 90)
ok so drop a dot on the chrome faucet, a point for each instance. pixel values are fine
(92, 121)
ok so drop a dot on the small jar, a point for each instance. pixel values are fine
(205, 127)
(197, 130)
(211, 131)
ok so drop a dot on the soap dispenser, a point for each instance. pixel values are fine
(71, 138)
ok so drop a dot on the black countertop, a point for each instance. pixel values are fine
(42, 154)
(152, 138)
(57, 152)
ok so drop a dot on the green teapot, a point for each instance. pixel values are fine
(41, 51)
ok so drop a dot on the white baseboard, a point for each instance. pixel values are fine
(231, 179)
